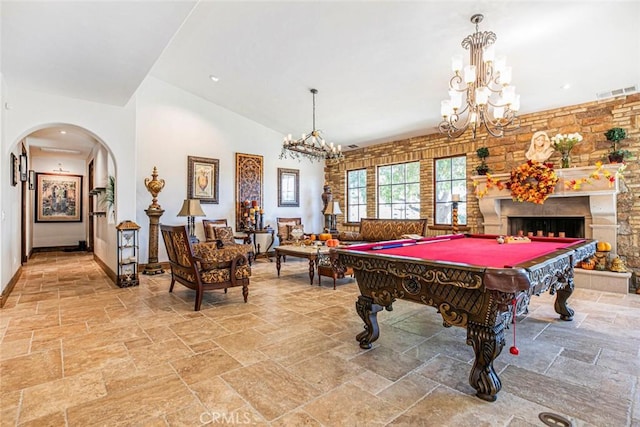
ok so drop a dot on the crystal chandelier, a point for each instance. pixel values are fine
(480, 94)
(312, 145)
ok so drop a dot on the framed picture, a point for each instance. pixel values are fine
(202, 179)
(15, 170)
(288, 187)
(58, 198)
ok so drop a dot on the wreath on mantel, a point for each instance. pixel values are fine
(532, 182)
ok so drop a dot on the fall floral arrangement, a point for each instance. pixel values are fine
(599, 173)
(532, 182)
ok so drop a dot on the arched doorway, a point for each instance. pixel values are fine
(67, 163)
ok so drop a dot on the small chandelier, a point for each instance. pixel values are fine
(312, 145)
(489, 99)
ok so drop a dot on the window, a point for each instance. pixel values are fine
(356, 195)
(399, 191)
(450, 179)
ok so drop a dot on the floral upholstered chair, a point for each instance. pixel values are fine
(203, 267)
(285, 227)
(216, 230)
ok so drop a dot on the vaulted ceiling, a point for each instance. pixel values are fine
(381, 68)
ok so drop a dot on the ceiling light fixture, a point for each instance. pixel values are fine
(214, 78)
(482, 91)
(312, 145)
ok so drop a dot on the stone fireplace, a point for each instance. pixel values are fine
(594, 203)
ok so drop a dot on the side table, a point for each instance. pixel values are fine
(251, 234)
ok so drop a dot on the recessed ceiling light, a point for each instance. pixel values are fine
(63, 132)
(566, 86)
(213, 78)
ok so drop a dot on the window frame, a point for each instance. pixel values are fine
(462, 203)
(407, 194)
(350, 205)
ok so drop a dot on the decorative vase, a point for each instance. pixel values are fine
(566, 160)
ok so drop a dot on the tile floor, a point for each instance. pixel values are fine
(78, 351)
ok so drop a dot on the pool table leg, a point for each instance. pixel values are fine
(487, 342)
(368, 311)
(561, 307)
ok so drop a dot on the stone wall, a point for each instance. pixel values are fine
(591, 120)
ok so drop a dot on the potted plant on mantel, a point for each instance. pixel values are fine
(482, 168)
(615, 135)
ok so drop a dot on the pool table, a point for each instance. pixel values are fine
(472, 280)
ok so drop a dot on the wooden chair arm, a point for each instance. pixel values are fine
(235, 262)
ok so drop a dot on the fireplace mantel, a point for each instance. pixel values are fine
(600, 216)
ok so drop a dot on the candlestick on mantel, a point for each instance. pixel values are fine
(455, 197)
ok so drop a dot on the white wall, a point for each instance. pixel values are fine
(173, 124)
(4, 248)
(47, 234)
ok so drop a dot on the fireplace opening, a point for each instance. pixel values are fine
(570, 226)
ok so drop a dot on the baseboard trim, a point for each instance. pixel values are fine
(109, 272)
(55, 249)
(12, 283)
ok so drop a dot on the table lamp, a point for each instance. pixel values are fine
(191, 208)
(333, 209)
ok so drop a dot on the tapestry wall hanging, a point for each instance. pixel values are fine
(58, 198)
(248, 182)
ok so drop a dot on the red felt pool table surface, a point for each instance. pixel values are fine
(479, 250)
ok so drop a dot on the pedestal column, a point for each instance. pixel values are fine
(153, 266)
(154, 212)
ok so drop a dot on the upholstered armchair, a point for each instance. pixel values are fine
(217, 230)
(203, 267)
(285, 226)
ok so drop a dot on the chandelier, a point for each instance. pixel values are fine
(480, 94)
(312, 145)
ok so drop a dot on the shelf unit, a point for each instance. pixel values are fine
(128, 252)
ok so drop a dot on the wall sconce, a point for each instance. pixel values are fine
(23, 167)
(32, 180)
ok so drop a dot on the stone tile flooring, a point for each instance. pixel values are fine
(78, 351)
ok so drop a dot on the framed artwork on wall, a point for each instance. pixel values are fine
(15, 170)
(288, 187)
(202, 179)
(248, 182)
(58, 198)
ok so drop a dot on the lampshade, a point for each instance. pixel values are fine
(191, 207)
(336, 208)
(333, 208)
